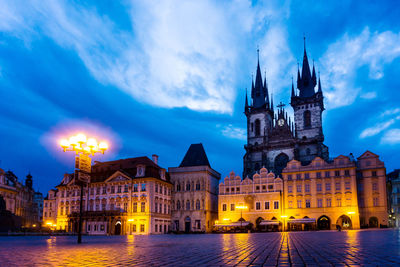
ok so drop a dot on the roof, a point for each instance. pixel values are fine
(195, 156)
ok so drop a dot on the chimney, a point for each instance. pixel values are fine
(155, 158)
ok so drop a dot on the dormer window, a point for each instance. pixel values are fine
(162, 174)
(140, 171)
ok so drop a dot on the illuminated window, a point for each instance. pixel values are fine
(319, 202)
(338, 202)
(347, 185)
(299, 204)
(223, 207)
(142, 228)
(232, 207)
(134, 228)
(298, 188)
(328, 202)
(290, 189)
(134, 206)
(258, 206)
(319, 187)
(142, 207)
(276, 205)
(135, 188)
(266, 205)
(143, 188)
(308, 203)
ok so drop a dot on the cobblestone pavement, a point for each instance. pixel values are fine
(347, 248)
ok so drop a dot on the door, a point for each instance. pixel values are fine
(187, 225)
(117, 228)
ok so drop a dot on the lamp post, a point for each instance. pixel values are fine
(284, 217)
(83, 147)
(241, 208)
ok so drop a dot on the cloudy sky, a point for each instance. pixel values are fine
(154, 77)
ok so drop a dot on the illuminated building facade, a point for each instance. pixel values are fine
(256, 201)
(393, 191)
(19, 197)
(127, 196)
(195, 192)
(321, 194)
(50, 209)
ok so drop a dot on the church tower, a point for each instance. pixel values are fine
(259, 115)
(308, 106)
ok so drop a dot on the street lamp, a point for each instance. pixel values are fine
(284, 217)
(83, 147)
(241, 208)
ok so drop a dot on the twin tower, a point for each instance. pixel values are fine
(273, 139)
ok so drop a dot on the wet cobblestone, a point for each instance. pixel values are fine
(350, 248)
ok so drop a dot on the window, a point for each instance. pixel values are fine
(289, 177)
(266, 205)
(197, 224)
(318, 175)
(232, 207)
(347, 185)
(374, 173)
(338, 202)
(160, 208)
(307, 188)
(264, 187)
(197, 204)
(187, 186)
(319, 202)
(160, 228)
(237, 189)
(197, 186)
(276, 205)
(270, 187)
(88, 227)
(98, 190)
(257, 188)
(375, 186)
(134, 206)
(348, 201)
(290, 203)
(119, 189)
(346, 173)
(112, 189)
(299, 204)
(187, 205)
(178, 205)
(258, 126)
(142, 228)
(135, 188)
(104, 190)
(134, 228)
(258, 206)
(178, 187)
(308, 203)
(328, 187)
(227, 190)
(156, 189)
(155, 228)
(337, 173)
(328, 202)
(298, 188)
(319, 187)
(125, 206)
(126, 189)
(361, 202)
(376, 202)
(223, 207)
(337, 186)
(327, 174)
(307, 119)
(143, 189)
(298, 176)
(232, 189)
(307, 176)
(142, 206)
(156, 207)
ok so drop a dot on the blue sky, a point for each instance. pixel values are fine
(154, 78)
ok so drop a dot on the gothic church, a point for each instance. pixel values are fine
(273, 139)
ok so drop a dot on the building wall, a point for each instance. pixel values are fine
(197, 186)
(233, 193)
(329, 188)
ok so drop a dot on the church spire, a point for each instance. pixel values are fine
(246, 104)
(266, 93)
(272, 102)
(258, 94)
(319, 83)
(313, 77)
(306, 84)
(293, 92)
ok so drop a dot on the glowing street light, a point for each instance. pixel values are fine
(241, 208)
(83, 147)
(284, 218)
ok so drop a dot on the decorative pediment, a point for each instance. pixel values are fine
(368, 154)
(118, 177)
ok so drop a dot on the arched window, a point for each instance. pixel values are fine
(187, 205)
(178, 205)
(178, 187)
(197, 204)
(197, 186)
(257, 123)
(188, 186)
(307, 119)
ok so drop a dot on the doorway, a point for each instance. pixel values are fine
(324, 223)
(187, 225)
(117, 228)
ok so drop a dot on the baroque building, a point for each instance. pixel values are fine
(273, 139)
(393, 191)
(127, 196)
(194, 193)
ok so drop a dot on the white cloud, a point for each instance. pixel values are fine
(389, 112)
(233, 132)
(391, 137)
(369, 95)
(344, 57)
(377, 128)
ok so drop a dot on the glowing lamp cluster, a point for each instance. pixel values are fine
(81, 144)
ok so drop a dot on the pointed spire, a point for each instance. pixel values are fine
(293, 92)
(246, 104)
(319, 83)
(305, 72)
(306, 84)
(272, 102)
(298, 77)
(313, 77)
(259, 90)
(266, 93)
